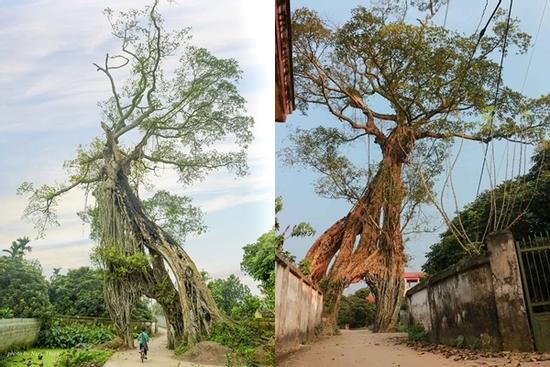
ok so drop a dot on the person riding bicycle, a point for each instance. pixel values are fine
(143, 339)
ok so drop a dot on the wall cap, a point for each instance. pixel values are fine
(281, 259)
(458, 268)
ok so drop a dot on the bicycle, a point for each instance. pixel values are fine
(142, 353)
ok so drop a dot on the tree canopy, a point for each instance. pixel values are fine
(78, 293)
(23, 289)
(233, 297)
(175, 117)
(259, 262)
(355, 311)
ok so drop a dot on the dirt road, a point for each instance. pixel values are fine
(361, 348)
(159, 356)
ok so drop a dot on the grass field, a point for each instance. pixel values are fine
(34, 357)
(37, 357)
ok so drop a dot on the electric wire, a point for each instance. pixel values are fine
(497, 91)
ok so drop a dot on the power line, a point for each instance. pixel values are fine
(497, 91)
(534, 46)
(446, 13)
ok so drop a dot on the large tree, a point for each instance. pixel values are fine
(412, 88)
(178, 106)
(233, 297)
(23, 289)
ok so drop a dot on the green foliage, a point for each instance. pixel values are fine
(259, 262)
(35, 357)
(460, 341)
(78, 293)
(175, 214)
(121, 265)
(417, 333)
(525, 199)
(305, 266)
(233, 297)
(19, 247)
(83, 358)
(244, 338)
(302, 229)
(381, 76)
(181, 349)
(237, 336)
(23, 289)
(74, 335)
(6, 313)
(142, 311)
(355, 311)
(177, 116)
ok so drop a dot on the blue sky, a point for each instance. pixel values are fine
(296, 187)
(48, 95)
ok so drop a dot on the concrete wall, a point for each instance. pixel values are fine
(15, 333)
(298, 307)
(467, 301)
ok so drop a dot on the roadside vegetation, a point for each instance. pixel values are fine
(527, 199)
(356, 311)
(70, 307)
(248, 325)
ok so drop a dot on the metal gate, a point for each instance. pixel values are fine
(534, 260)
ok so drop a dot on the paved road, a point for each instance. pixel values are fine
(361, 348)
(159, 356)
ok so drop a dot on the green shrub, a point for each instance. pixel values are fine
(83, 358)
(417, 333)
(243, 337)
(6, 313)
(355, 311)
(236, 336)
(181, 349)
(75, 335)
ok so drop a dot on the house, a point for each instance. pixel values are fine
(284, 84)
(411, 278)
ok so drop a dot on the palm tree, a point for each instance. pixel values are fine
(18, 247)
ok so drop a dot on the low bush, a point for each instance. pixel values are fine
(83, 358)
(75, 335)
(416, 333)
(244, 338)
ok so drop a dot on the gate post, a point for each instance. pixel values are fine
(510, 303)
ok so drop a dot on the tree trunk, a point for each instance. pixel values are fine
(377, 256)
(389, 294)
(190, 308)
(332, 294)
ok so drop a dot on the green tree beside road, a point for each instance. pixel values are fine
(233, 297)
(355, 311)
(527, 200)
(23, 289)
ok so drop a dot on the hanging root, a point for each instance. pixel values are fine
(128, 236)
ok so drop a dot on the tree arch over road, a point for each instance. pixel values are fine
(412, 88)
